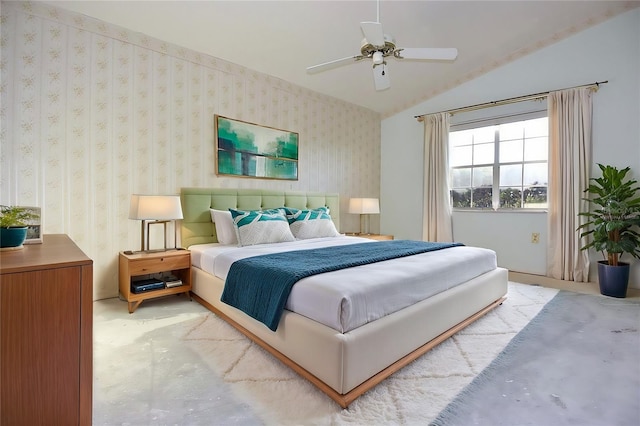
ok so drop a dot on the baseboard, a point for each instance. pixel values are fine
(577, 287)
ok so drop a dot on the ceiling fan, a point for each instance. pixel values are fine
(377, 46)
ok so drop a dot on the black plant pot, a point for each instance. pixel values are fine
(613, 280)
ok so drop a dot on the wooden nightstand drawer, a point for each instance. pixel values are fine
(158, 264)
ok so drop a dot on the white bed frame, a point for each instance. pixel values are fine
(343, 365)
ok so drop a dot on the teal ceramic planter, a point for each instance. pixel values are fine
(12, 237)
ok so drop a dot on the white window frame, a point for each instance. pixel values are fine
(528, 111)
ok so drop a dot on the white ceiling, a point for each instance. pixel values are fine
(282, 38)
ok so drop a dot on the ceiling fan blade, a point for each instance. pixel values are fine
(332, 64)
(381, 78)
(373, 33)
(434, 53)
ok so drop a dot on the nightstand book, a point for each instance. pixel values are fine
(133, 268)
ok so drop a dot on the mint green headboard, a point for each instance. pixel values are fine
(197, 227)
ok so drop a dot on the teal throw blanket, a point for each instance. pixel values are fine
(260, 285)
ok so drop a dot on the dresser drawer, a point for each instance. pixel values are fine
(158, 264)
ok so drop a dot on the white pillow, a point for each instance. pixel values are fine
(314, 223)
(261, 227)
(319, 228)
(225, 228)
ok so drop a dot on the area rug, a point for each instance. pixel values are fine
(414, 395)
(174, 362)
(576, 363)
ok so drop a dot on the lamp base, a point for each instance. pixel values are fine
(130, 252)
(364, 224)
(145, 243)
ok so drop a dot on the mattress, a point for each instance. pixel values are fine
(349, 298)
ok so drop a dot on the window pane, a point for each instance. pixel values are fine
(511, 175)
(460, 178)
(536, 149)
(462, 137)
(536, 128)
(484, 134)
(510, 198)
(482, 198)
(536, 174)
(535, 197)
(483, 153)
(511, 151)
(482, 176)
(511, 131)
(461, 156)
(461, 198)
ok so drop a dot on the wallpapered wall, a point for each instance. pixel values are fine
(92, 113)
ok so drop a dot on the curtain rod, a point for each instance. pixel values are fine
(540, 95)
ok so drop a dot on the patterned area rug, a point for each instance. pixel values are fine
(181, 364)
(414, 395)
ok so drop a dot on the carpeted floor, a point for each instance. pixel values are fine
(173, 362)
(576, 363)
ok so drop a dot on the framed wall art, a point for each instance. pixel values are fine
(34, 227)
(250, 150)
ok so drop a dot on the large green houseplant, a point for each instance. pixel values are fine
(612, 225)
(13, 225)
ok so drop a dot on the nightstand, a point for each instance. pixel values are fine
(145, 264)
(377, 237)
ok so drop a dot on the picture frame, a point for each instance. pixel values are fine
(34, 227)
(246, 149)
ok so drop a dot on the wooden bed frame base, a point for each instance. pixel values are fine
(345, 399)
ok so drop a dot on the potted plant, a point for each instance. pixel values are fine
(613, 225)
(13, 225)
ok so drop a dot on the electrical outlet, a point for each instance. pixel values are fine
(535, 237)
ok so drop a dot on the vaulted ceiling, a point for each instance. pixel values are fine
(283, 38)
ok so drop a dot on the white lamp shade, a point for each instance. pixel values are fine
(364, 206)
(155, 207)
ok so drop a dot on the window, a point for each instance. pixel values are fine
(500, 165)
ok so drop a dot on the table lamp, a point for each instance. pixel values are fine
(152, 210)
(364, 207)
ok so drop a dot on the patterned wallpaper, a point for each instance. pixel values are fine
(92, 113)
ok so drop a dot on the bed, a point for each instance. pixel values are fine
(343, 360)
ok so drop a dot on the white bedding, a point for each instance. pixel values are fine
(349, 298)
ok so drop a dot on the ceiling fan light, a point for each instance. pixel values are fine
(378, 58)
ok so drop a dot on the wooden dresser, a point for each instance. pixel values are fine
(46, 322)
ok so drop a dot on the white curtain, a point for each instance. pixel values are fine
(569, 169)
(436, 222)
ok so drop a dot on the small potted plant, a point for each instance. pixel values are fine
(613, 226)
(13, 225)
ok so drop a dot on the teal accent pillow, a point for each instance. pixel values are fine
(297, 214)
(261, 227)
(314, 223)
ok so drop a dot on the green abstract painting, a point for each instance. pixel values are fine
(250, 150)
